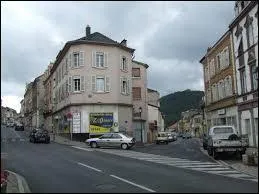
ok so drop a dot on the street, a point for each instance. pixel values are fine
(157, 168)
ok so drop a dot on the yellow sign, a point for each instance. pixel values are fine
(98, 129)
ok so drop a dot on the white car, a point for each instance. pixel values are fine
(112, 140)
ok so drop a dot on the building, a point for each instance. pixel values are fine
(28, 106)
(139, 97)
(173, 127)
(196, 124)
(92, 83)
(9, 115)
(48, 98)
(155, 117)
(244, 34)
(219, 82)
(22, 110)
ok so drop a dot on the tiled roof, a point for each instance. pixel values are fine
(98, 37)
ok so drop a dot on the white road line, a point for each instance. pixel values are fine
(89, 167)
(134, 184)
(199, 166)
(22, 139)
(210, 170)
(239, 175)
(80, 148)
(223, 172)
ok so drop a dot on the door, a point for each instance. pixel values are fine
(116, 140)
(104, 140)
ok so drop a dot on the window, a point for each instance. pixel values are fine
(59, 76)
(218, 62)
(76, 84)
(136, 92)
(124, 64)
(100, 84)
(241, 60)
(106, 136)
(124, 86)
(254, 74)
(247, 126)
(116, 136)
(135, 72)
(226, 55)
(256, 125)
(99, 59)
(242, 4)
(243, 80)
(250, 35)
(215, 92)
(223, 130)
(76, 59)
(228, 86)
(221, 89)
(212, 68)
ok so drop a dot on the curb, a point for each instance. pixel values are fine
(22, 184)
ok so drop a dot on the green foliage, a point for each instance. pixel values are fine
(173, 104)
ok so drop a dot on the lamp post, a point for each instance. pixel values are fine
(140, 111)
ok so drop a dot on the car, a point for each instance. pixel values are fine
(19, 127)
(170, 137)
(187, 136)
(175, 135)
(112, 140)
(162, 137)
(39, 136)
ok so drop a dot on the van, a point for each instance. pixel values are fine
(162, 137)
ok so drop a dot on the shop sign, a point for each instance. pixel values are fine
(100, 122)
(76, 122)
(221, 112)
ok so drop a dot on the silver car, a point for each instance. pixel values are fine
(112, 140)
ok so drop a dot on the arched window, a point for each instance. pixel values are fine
(249, 31)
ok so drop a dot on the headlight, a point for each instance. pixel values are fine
(216, 141)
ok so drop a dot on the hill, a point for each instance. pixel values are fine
(173, 104)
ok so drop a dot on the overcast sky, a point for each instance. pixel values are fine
(171, 37)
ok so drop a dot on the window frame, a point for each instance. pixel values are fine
(136, 68)
(73, 60)
(76, 79)
(98, 59)
(96, 85)
(136, 98)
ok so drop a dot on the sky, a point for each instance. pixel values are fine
(170, 36)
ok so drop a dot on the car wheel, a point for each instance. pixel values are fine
(214, 154)
(93, 145)
(166, 142)
(124, 146)
(209, 151)
(157, 142)
(34, 140)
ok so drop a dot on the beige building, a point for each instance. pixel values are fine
(28, 106)
(92, 86)
(139, 97)
(155, 118)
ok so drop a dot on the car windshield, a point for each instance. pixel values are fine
(223, 130)
(162, 135)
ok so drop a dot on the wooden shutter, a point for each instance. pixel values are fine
(66, 88)
(93, 83)
(126, 64)
(227, 57)
(121, 67)
(107, 84)
(69, 60)
(93, 59)
(105, 59)
(81, 58)
(121, 84)
(66, 66)
(128, 86)
(70, 84)
(82, 83)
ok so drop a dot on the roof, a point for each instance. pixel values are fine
(140, 63)
(98, 37)
(151, 90)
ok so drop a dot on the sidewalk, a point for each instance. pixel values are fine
(16, 184)
(237, 165)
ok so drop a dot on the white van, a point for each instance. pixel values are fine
(162, 137)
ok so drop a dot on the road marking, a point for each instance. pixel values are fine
(22, 139)
(199, 166)
(80, 148)
(239, 175)
(89, 167)
(210, 170)
(134, 184)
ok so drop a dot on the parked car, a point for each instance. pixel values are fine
(187, 136)
(170, 137)
(225, 138)
(39, 136)
(205, 141)
(19, 127)
(162, 137)
(175, 135)
(112, 140)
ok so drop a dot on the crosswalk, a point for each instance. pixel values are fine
(207, 167)
(9, 140)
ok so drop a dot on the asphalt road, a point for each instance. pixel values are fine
(181, 148)
(59, 168)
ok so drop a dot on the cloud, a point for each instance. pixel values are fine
(170, 37)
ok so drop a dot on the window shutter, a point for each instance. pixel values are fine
(227, 57)
(66, 66)
(126, 66)
(73, 84)
(105, 59)
(70, 84)
(121, 84)
(66, 88)
(82, 83)
(128, 86)
(93, 83)
(81, 58)
(121, 67)
(93, 59)
(107, 84)
(69, 60)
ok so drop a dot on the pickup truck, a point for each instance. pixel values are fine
(225, 138)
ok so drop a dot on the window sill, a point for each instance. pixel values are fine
(77, 67)
(137, 99)
(136, 77)
(125, 94)
(100, 67)
(125, 71)
(77, 92)
(96, 92)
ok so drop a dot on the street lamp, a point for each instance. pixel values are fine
(140, 111)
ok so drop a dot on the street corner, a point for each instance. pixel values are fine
(16, 183)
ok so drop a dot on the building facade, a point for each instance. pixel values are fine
(219, 82)
(28, 106)
(139, 97)
(92, 86)
(244, 34)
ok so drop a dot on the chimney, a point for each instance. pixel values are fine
(124, 42)
(87, 31)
